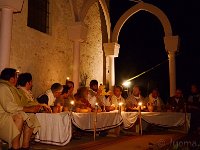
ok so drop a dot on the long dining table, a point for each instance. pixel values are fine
(56, 128)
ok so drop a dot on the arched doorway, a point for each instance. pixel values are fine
(171, 42)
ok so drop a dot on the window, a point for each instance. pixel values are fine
(38, 15)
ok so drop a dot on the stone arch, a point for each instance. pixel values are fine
(104, 7)
(171, 42)
(146, 7)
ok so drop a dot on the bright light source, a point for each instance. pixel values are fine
(120, 104)
(126, 83)
(72, 102)
(67, 78)
(140, 104)
(96, 104)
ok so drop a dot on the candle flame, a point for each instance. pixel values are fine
(72, 102)
(120, 104)
(140, 104)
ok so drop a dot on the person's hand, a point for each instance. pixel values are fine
(112, 107)
(47, 109)
(32, 109)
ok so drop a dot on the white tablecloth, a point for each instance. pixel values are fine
(165, 119)
(129, 119)
(105, 120)
(55, 128)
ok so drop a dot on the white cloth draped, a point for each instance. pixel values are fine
(129, 119)
(105, 120)
(164, 119)
(55, 128)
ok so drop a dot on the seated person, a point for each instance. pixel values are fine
(133, 100)
(112, 102)
(94, 94)
(63, 101)
(50, 95)
(193, 107)
(16, 127)
(24, 88)
(82, 104)
(154, 100)
(193, 100)
(70, 84)
(176, 102)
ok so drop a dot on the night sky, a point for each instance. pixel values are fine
(142, 45)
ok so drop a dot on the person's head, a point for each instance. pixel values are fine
(56, 89)
(9, 74)
(94, 85)
(136, 91)
(65, 91)
(82, 92)
(25, 80)
(117, 90)
(194, 89)
(70, 84)
(155, 93)
(178, 93)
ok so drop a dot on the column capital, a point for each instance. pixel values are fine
(111, 49)
(171, 43)
(15, 5)
(77, 31)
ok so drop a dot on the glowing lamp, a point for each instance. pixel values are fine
(127, 84)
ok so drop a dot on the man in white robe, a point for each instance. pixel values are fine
(50, 95)
(116, 100)
(16, 127)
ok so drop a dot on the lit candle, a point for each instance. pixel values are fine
(140, 117)
(120, 107)
(96, 106)
(72, 104)
(140, 104)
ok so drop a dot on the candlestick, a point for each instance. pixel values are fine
(120, 107)
(72, 104)
(95, 120)
(140, 116)
(96, 106)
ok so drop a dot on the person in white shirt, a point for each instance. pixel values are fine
(155, 100)
(16, 126)
(94, 95)
(50, 95)
(114, 100)
(133, 99)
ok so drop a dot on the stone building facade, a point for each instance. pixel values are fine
(49, 57)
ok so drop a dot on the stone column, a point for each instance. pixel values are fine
(111, 50)
(77, 32)
(171, 46)
(5, 37)
(7, 8)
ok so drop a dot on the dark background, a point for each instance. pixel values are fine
(142, 45)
